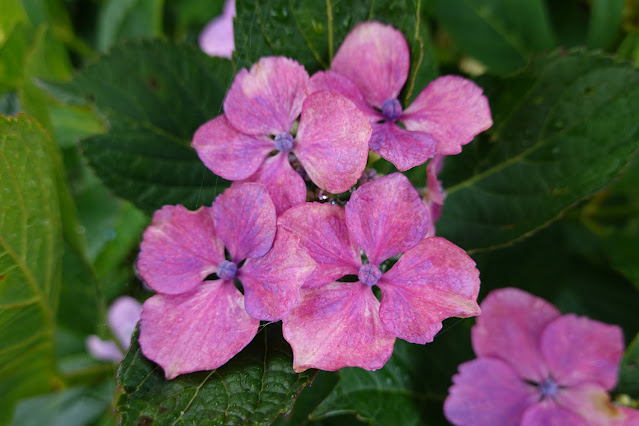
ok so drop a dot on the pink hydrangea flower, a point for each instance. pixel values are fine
(260, 109)
(537, 367)
(197, 324)
(122, 317)
(339, 324)
(217, 37)
(371, 67)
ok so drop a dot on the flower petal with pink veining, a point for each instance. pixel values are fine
(386, 217)
(549, 413)
(179, 249)
(200, 330)
(267, 99)
(404, 148)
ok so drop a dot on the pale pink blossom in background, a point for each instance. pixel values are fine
(122, 318)
(217, 37)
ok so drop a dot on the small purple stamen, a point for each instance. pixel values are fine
(548, 387)
(392, 109)
(369, 274)
(227, 270)
(284, 142)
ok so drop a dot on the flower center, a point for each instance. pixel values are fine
(284, 142)
(227, 270)
(392, 109)
(548, 387)
(369, 274)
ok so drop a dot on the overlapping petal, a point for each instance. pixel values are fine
(336, 326)
(105, 350)
(200, 330)
(549, 413)
(267, 99)
(386, 217)
(332, 141)
(510, 328)
(271, 283)
(245, 220)
(227, 152)
(376, 58)
(452, 109)
(487, 392)
(404, 148)
(122, 318)
(432, 281)
(179, 249)
(329, 80)
(592, 404)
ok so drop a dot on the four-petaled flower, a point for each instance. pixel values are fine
(537, 367)
(338, 324)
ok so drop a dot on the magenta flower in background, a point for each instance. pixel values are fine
(122, 317)
(197, 324)
(260, 110)
(371, 67)
(217, 37)
(434, 195)
(537, 367)
(339, 324)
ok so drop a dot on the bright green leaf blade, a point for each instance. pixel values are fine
(154, 96)
(572, 129)
(30, 261)
(605, 22)
(252, 388)
(629, 372)
(128, 19)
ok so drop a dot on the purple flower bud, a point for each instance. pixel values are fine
(392, 109)
(369, 274)
(227, 270)
(284, 142)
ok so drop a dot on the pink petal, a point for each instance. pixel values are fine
(386, 217)
(245, 220)
(592, 403)
(329, 80)
(510, 328)
(332, 141)
(434, 195)
(432, 281)
(122, 317)
(580, 350)
(403, 148)
(376, 58)
(195, 331)
(630, 417)
(268, 99)
(321, 229)
(488, 392)
(452, 109)
(217, 37)
(179, 249)
(105, 350)
(227, 152)
(549, 413)
(336, 326)
(272, 282)
(283, 184)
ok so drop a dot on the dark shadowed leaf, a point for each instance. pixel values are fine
(629, 373)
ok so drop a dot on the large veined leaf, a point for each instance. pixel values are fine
(254, 387)
(30, 261)
(154, 96)
(563, 129)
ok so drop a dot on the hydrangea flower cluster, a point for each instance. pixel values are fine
(261, 252)
(538, 367)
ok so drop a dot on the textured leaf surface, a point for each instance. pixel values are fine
(572, 128)
(30, 261)
(253, 388)
(629, 372)
(154, 96)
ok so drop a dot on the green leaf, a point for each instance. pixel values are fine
(312, 31)
(501, 34)
(629, 371)
(563, 129)
(622, 247)
(605, 22)
(128, 19)
(154, 96)
(30, 261)
(253, 388)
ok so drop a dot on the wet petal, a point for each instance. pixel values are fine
(283, 184)
(105, 350)
(386, 217)
(268, 99)
(122, 317)
(403, 148)
(376, 58)
(179, 249)
(217, 37)
(488, 392)
(452, 109)
(227, 152)
(245, 220)
(510, 328)
(336, 326)
(549, 413)
(323, 234)
(592, 403)
(332, 141)
(272, 282)
(580, 350)
(200, 330)
(432, 281)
